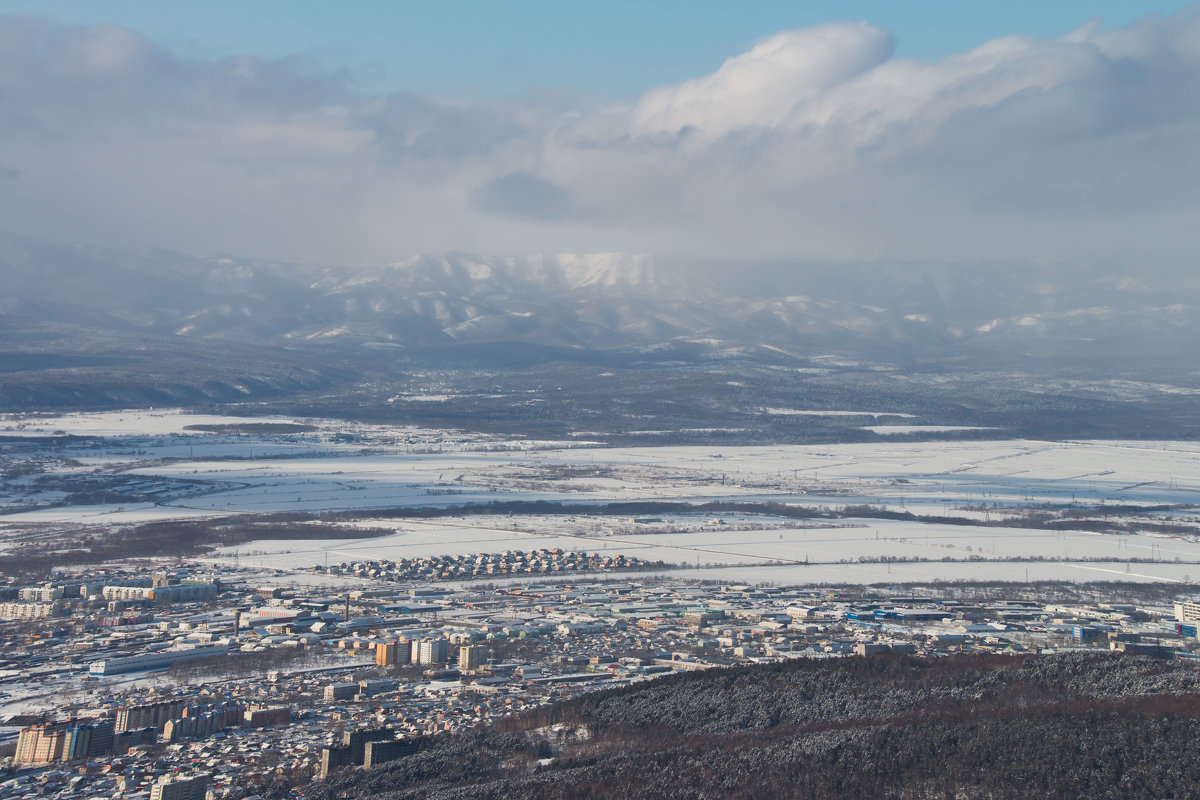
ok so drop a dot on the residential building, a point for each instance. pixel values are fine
(176, 788)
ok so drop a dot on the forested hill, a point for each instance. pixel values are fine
(1074, 725)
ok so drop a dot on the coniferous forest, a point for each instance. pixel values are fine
(1073, 725)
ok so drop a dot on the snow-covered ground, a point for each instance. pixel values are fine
(135, 423)
(892, 430)
(741, 541)
(358, 468)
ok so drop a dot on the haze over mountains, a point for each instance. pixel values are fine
(907, 312)
(106, 328)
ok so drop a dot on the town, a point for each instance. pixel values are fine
(217, 679)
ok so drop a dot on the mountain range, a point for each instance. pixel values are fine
(92, 327)
(604, 300)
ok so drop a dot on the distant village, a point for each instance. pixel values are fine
(206, 681)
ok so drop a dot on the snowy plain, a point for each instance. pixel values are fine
(359, 468)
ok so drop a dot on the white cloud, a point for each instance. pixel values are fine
(814, 144)
(1077, 148)
(763, 85)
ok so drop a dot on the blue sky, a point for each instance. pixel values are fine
(486, 48)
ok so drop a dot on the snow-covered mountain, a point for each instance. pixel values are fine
(893, 313)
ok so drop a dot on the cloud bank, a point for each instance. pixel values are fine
(815, 143)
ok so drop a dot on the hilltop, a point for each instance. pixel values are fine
(1073, 725)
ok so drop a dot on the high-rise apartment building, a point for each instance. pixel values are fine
(176, 788)
(471, 657)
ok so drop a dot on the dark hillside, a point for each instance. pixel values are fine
(1078, 725)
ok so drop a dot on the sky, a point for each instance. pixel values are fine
(614, 48)
(366, 132)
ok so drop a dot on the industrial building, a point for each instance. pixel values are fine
(158, 660)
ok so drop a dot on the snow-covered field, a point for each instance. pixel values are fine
(358, 468)
(749, 542)
(892, 430)
(134, 423)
